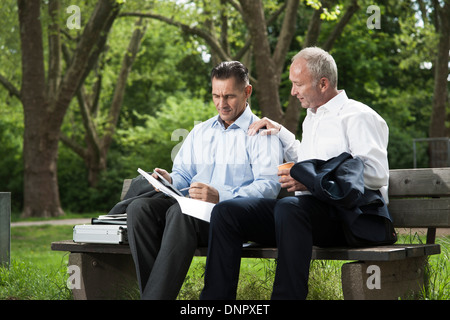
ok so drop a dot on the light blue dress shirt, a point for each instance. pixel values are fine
(235, 164)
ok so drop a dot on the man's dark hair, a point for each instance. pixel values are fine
(228, 69)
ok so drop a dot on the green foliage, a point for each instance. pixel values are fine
(11, 144)
(155, 143)
(167, 65)
(389, 69)
(10, 43)
(151, 144)
(168, 68)
(386, 72)
(77, 196)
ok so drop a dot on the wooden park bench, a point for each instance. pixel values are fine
(419, 198)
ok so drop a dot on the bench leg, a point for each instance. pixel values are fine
(103, 276)
(383, 280)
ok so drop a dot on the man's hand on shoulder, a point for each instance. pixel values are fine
(270, 127)
(204, 192)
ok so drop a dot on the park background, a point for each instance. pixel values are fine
(92, 90)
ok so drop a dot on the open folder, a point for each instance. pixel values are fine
(195, 208)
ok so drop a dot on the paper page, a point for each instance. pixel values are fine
(156, 184)
(113, 216)
(195, 208)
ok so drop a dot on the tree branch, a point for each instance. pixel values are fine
(210, 40)
(339, 28)
(224, 28)
(13, 91)
(88, 123)
(277, 13)
(54, 45)
(242, 51)
(236, 5)
(72, 144)
(286, 34)
(87, 49)
(127, 62)
(313, 29)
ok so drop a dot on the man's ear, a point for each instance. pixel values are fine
(324, 84)
(248, 91)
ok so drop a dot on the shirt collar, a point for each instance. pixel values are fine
(243, 122)
(333, 105)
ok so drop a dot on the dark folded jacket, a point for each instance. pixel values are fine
(139, 188)
(339, 182)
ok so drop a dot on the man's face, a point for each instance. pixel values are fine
(303, 86)
(229, 98)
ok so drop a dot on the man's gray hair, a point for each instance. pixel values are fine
(320, 63)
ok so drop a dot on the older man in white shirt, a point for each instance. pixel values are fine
(334, 124)
(343, 124)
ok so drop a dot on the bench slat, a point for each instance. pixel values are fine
(420, 213)
(381, 253)
(428, 182)
(125, 187)
(69, 245)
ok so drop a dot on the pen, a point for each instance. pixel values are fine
(184, 189)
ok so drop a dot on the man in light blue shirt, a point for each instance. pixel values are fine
(218, 161)
(228, 160)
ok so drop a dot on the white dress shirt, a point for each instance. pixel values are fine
(343, 125)
(235, 164)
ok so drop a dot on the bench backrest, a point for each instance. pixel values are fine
(418, 198)
(125, 187)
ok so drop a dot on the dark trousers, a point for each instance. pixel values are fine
(293, 224)
(162, 242)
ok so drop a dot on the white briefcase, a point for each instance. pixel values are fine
(100, 233)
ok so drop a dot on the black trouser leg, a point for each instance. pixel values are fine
(232, 223)
(162, 241)
(294, 224)
(300, 223)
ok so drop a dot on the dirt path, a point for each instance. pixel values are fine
(52, 222)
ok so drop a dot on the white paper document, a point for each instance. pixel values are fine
(195, 208)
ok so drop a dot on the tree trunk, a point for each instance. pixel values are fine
(45, 102)
(438, 151)
(265, 67)
(41, 196)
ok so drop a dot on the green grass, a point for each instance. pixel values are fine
(37, 272)
(256, 276)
